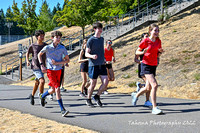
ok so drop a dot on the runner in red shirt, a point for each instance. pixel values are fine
(138, 59)
(150, 47)
(109, 55)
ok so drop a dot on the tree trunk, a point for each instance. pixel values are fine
(83, 32)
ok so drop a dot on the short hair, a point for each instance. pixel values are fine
(38, 33)
(97, 25)
(56, 33)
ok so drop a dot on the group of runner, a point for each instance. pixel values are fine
(96, 61)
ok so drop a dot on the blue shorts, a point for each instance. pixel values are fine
(38, 74)
(147, 69)
(95, 71)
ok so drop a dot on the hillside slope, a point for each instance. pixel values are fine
(10, 50)
(178, 73)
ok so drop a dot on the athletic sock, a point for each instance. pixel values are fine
(45, 94)
(61, 104)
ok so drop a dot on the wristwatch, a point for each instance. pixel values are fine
(41, 64)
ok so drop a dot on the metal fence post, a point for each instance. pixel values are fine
(161, 7)
(135, 16)
(176, 3)
(117, 25)
(133, 22)
(142, 16)
(20, 50)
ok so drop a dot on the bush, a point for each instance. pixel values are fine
(197, 55)
(136, 71)
(133, 84)
(174, 60)
(163, 17)
(198, 62)
(33, 78)
(185, 70)
(124, 55)
(197, 76)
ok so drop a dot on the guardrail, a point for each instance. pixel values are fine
(147, 12)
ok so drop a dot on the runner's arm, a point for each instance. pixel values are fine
(43, 68)
(87, 54)
(139, 51)
(80, 60)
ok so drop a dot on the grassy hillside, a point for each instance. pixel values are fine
(178, 73)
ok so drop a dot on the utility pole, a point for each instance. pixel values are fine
(9, 25)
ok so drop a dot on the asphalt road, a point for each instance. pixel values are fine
(117, 115)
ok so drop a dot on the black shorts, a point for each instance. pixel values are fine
(95, 71)
(147, 69)
(84, 68)
(140, 72)
(109, 66)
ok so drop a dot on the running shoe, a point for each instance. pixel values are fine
(96, 98)
(42, 100)
(50, 97)
(62, 89)
(156, 111)
(133, 94)
(64, 113)
(82, 94)
(32, 99)
(138, 86)
(147, 103)
(105, 92)
(134, 99)
(89, 103)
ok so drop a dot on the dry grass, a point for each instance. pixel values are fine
(35, 124)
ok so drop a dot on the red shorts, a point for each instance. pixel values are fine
(54, 78)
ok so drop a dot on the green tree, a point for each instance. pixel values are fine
(54, 11)
(2, 23)
(58, 8)
(26, 18)
(82, 13)
(122, 6)
(45, 18)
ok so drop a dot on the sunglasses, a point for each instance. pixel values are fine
(109, 42)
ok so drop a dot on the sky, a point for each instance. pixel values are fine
(6, 3)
